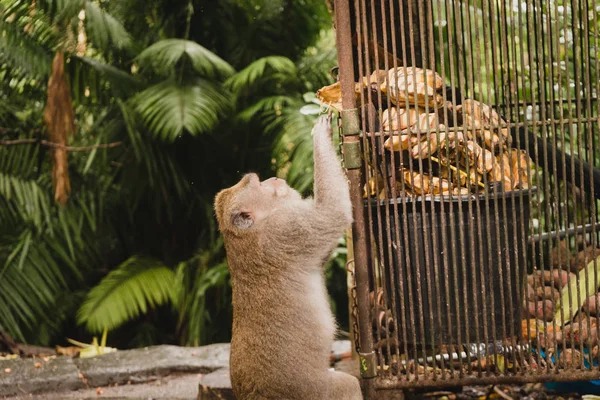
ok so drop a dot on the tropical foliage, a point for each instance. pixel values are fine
(119, 122)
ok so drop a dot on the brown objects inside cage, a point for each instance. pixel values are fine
(478, 126)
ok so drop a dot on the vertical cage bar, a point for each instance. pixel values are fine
(345, 59)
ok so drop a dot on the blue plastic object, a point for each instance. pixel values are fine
(581, 387)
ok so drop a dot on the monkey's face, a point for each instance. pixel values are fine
(243, 207)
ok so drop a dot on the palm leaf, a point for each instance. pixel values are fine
(282, 118)
(168, 108)
(131, 289)
(295, 144)
(97, 76)
(157, 169)
(193, 315)
(23, 53)
(259, 70)
(61, 12)
(16, 15)
(19, 160)
(31, 202)
(103, 30)
(31, 278)
(317, 61)
(195, 278)
(267, 108)
(162, 57)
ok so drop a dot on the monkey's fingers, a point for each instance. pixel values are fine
(323, 125)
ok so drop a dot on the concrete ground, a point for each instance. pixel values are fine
(158, 372)
(176, 387)
(178, 373)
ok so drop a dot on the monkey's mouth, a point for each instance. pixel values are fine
(275, 185)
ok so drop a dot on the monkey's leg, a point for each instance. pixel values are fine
(344, 387)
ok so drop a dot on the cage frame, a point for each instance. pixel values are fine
(350, 127)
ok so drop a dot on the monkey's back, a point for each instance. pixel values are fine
(282, 334)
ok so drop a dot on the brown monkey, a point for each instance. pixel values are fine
(277, 243)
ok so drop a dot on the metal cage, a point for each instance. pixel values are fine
(470, 138)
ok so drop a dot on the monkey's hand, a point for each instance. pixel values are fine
(331, 186)
(323, 126)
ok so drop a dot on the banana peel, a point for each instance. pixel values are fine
(93, 349)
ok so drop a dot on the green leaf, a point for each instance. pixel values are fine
(103, 30)
(168, 108)
(193, 316)
(30, 281)
(126, 292)
(23, 53)
(60, 11)
(586, 285)
(267, 108)
(120, 79)
(259, 70)
(293, 145)
(164, 55)
(29, 198)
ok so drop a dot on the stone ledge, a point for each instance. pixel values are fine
(216, 386)
(163, 372)
(142, 365)
(24, 377)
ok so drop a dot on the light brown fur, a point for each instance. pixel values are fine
(276, 245)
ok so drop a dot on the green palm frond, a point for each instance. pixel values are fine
(267, 108)
(23, 53)
(100, 79)
(103, 30)
(282, 118)
(61, 12)
(317, 61)
(131, 289)
(158, 168)
(193, 315)
(164, 55)
(30, 279)
(26, 198)
(31, 200)
(19, 187)
(260, 70)
(196, 277)
(169, 108)
(19, 160)
(17, 16)
(294, 144)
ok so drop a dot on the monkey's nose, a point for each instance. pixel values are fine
(252, 177)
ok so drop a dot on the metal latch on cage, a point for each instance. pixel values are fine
(351, 148)
(368, 365)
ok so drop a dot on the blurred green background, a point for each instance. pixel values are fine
(165, 102)
(189, 95)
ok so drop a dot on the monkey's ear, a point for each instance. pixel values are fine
(242, 220)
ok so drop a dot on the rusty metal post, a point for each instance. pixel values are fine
(354, 173)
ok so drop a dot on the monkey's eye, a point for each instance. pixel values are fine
(242, 220)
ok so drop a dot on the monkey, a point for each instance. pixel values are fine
(276, 243)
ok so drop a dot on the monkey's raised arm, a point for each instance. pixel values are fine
(332, 195)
